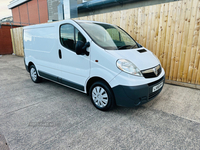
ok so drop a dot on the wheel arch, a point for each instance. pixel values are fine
(29, 65)
(93, 80)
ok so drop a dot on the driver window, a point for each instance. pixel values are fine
(69, 35)
(79, 36)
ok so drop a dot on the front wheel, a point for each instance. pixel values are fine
(102, 96)
(34, 76)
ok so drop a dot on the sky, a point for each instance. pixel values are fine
(4, 11)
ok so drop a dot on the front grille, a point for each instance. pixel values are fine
(152, 72)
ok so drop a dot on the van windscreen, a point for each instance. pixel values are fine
(108, 36)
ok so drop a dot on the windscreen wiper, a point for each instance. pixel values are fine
(135, 46)
(124, 46)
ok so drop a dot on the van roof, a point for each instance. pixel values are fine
(90, 21)
(63, 21)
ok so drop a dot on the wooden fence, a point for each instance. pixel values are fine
(17, 41)
(170, 31)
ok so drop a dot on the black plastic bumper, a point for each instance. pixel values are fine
(130, 96)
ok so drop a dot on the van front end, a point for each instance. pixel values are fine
(130, 90)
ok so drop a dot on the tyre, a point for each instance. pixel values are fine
(102, 96)
(34, 75)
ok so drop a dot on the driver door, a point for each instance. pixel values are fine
(75, 68)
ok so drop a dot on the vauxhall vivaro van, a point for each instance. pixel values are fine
(95, 58)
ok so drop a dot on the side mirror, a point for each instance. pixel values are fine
(78, 48)
(81, 48)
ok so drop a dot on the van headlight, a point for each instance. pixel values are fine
(128, 67)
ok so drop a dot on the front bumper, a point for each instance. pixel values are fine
(130, 96)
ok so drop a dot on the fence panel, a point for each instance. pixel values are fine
(17, 41)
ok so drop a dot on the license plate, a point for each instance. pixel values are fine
(157, 87)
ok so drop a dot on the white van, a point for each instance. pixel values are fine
(95, 58)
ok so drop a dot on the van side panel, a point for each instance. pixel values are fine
(103, 64)
(40, 47)
(41, 39)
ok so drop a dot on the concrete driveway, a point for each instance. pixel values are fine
(49, 116)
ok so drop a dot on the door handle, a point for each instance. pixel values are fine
(60, 54)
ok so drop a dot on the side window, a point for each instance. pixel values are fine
(79, 36)
(69, 35)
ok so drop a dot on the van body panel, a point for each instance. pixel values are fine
(103, 64)
(74, 68)
(40, 36)
(130, 80)
(40, 47)
(143, 60)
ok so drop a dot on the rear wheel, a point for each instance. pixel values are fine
(33, 74)
(101, 96)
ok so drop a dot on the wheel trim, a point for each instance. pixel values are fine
(33, 74)
(99, 96)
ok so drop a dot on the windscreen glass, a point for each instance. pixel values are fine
(108, 36)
